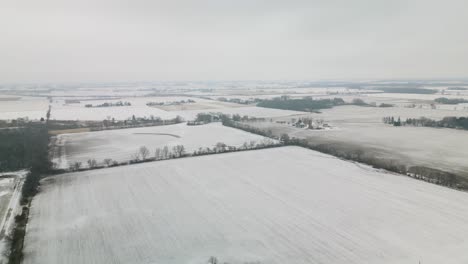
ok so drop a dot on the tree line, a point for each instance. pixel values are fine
(360, 155)
(457, 88)
(304, 104)
(189, 101)
(25, 148)
(112, 123)
(144, 154)
(446, 122)
(452, 101)
(106, 104)
(205, 118)
(308, 104)
(406, 90)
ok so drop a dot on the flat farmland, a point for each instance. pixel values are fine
(120, 145)
(362, 128)
(251, 111)
(282, 205)
(36, 108)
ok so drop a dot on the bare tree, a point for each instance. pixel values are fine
(108, 162)
(136, 156)
(174, 150)
(245, 145)
(284, 138)
(212, 260)
(179, 150)
(92, 163)
(178, 119)
(157, 153)
(221, 147)
(144, 152)
(75, 166)
(165, 152)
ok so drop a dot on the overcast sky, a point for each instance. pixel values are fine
(133, 40)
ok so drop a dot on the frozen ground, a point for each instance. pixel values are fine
(36, 107)
(362, 127)
(275, 206)
(121, 144)
(352, 113)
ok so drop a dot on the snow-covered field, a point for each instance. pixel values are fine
(275, 206)
(122, 144)
(251, 111)
(362, 127)
(353, 114)
(10, 195)
(36, 108)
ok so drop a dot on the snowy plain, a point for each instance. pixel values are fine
(283, 205)
(121, 144)
(36, 108)
(362, 128)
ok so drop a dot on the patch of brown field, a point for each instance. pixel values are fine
(69, 131)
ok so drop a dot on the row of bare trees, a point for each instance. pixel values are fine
(144, 154)
(92, 164)
(165, 152)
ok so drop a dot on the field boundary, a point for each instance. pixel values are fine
(159, 134)
(427, 174)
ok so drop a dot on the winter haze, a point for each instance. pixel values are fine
(231, 40)
(233, 132)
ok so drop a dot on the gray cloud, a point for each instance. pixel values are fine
(119, 40)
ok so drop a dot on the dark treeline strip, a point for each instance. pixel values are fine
(107, 104)
(305, 104)
(189, 101)
(232, 123)
(408, 90)
(110, 123)
(308, 104)
(446, 122)
(457, 88)
(205, 118)
(16, 238)
(444, 100)
(24, 148)
(31, 152)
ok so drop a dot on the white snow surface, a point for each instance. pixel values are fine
(10, 195)
(283, 205)
(122, 144)
(36, 108)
